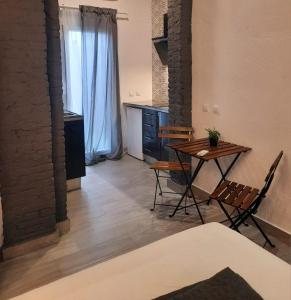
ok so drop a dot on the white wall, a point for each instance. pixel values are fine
(242, 63)
(134, 48)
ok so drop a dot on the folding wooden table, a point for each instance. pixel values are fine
(215, 153)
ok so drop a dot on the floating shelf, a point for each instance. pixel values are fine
(160, 40)
(161, 45)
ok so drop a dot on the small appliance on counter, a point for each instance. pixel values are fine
(75, 149)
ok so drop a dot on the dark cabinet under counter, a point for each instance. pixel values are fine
(150, 133)
(75, 147)
(152, 145)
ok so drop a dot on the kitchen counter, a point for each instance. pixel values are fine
(70, 116)
(145, 105)
(74, 146)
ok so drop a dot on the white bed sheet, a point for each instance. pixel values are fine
(172, 263)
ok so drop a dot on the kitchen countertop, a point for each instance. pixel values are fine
(147, 105)
(70, 116)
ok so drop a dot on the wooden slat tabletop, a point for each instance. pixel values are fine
(194, 147)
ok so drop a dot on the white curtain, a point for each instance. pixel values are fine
(71, 40)
(91, 78)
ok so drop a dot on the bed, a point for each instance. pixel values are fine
(173, 263)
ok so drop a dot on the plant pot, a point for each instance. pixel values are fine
(213, 142)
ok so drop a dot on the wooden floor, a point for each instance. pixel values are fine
(109, 217)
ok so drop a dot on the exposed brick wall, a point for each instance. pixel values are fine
(55, 90)
(26, 174)
(160, 71)
(180, 63)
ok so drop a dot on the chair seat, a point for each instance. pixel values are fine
(170, 166)
(235, 194)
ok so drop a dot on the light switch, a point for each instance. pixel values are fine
(216, 109)
(131, 94)
(137, 94)
(205, 107)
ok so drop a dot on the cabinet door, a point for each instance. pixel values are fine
(75, 149)
(151, 142)
(150, 117)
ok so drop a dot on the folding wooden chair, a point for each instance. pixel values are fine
(170, 133)
(245, 200)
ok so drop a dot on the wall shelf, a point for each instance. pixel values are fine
(160, 40)
(161, 45)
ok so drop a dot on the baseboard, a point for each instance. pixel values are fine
(73, 184)
(35, 244)
(64, 227)
(135, 157)
(283, 235)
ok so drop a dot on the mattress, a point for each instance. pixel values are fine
(172, 263)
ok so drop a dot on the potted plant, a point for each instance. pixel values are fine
(213, 136)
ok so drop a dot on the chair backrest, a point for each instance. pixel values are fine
(270, 176)
(268, 181)
(176, 133)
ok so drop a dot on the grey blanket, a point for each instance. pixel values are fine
(226, 285)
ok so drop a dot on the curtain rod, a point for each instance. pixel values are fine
(74, 7)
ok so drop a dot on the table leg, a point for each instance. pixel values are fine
(224, 174)
(189, 187)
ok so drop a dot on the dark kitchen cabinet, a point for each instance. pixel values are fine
(75, 149)
(152, 145)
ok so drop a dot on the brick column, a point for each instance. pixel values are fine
(27, 172)
(55, 90)
(180, 65)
